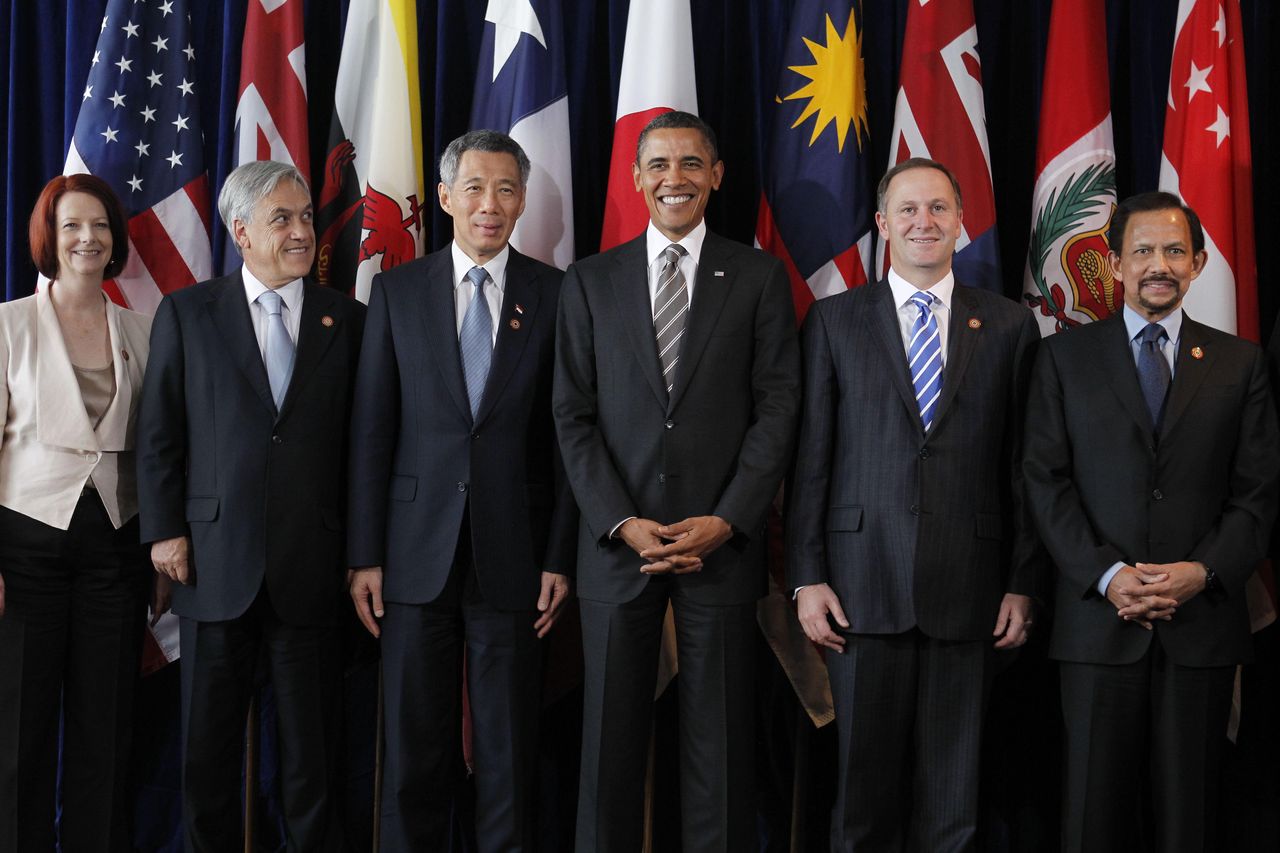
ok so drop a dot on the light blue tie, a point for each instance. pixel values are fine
(475, 341)
(279, 352)
(924, 359)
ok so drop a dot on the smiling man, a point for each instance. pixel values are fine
(903, 529)
(462, 521)
(242, 442)
(677, 386)
(1151, 465)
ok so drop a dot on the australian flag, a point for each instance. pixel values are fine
(816, 213)
(139, 129)
(521, 90)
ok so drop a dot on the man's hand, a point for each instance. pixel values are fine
(365, 585)
(555, 592)
(1181, 581)
(1138, 596)
(161, 595)
(172, 557)
(813, 603)
(1013, 623)
(641, 534)
(693, 537)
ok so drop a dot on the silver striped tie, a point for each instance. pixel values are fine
(670, 309)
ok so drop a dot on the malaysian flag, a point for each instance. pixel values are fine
(139, 129)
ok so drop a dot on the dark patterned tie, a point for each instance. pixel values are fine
(670, 309)
(1153, 371)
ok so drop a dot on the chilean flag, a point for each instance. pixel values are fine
(657, 77)
(1207, 161)
(940, 114)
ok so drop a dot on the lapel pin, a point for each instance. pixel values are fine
(975, 323)
(326, 321)
(515, 324)
(124, 353)
(718, 273)
(519, 308)
(1196, 352)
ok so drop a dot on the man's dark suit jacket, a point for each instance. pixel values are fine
(912, 529)
(718, 446)
(415, 467)
(1104, 489)
(262, 495)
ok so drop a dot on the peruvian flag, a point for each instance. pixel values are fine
(1068, 280)
(940, 114)
(1206, 159)
(271, 110)
(657, 77)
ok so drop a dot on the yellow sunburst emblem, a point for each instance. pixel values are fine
(836, 89)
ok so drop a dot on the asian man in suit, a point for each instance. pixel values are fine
(677, 387)
(462, 521)
(1151, 463)
(904, 533)
(242, 443)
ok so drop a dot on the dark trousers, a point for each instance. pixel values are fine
(71, 635)
(1144, 752)
(909, 712)
(715, 652)
(220, 664)
(423, 647)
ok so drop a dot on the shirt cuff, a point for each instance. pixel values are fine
(613, 533)
(1105, 580)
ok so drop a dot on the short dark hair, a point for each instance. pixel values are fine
(677, 119)
(1149, 203)
(882, 191)
(42, 230)
(488, 141)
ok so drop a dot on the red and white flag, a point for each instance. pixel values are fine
(1206, 159)
(657, 77)
(1068, 280)
(940, 114)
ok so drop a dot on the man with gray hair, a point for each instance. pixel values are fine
(242, 439)
(462, 525)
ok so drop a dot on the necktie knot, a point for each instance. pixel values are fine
(923, 301)
(477, 276)
(1153, 333)
(271, 303)
(673, 253)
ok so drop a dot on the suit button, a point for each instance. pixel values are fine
(462, 487)
(669, 424)
(924, 453)
(475, 435)
(915, 509)
(275, 439)
(1158, 495)
(662, 478)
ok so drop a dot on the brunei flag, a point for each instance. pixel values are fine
(369, 218)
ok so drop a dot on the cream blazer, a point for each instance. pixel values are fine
(48, 448)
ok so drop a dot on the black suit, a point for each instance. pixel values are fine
(717, 446)
(1105, 489)
(463, 516)
(262, 496)
(919, 536)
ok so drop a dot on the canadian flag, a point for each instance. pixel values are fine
(657, 77)
(1206, 159)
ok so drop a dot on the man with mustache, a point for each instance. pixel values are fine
(1151, 463)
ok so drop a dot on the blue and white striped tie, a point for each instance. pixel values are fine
(924, 359)
(475, 342)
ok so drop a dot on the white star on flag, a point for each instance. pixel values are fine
(124, 65)
(160, 44)
(109, 134)
(130, 30)
(511, 19)
(1198, 81)
(1221, 126)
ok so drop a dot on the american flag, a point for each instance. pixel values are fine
(139, 129)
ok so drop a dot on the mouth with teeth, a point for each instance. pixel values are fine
(673, 200)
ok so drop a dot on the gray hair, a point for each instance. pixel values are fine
(487, 141)
(249, 184)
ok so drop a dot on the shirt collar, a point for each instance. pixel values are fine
(1134, 323)
(290, 293)
(656, 242)
(496, 266)
(903, 290)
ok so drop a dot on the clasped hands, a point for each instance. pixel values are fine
(675, 549)
(1145, 592)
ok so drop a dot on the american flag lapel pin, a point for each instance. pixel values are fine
(718, 273)
(519, 308)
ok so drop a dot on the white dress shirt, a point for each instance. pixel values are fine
(290, 311)
(464, 290)
(656, 243)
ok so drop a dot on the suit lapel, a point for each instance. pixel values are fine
(61, 419)
(230, 313)
(314, 337)
(515, 320)
(1116, 360)
(630, 281)
(884, 319)
(440, 319)
(962, 340)
(1190, 373)
(714, 279)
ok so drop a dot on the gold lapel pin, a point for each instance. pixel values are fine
(1196, 352)
(326, 321)
(975, 323)
(515, 324)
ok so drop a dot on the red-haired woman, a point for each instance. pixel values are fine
(74, 580)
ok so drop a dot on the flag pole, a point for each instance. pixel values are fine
(647, 845)
(250, 772)
(379, 741)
